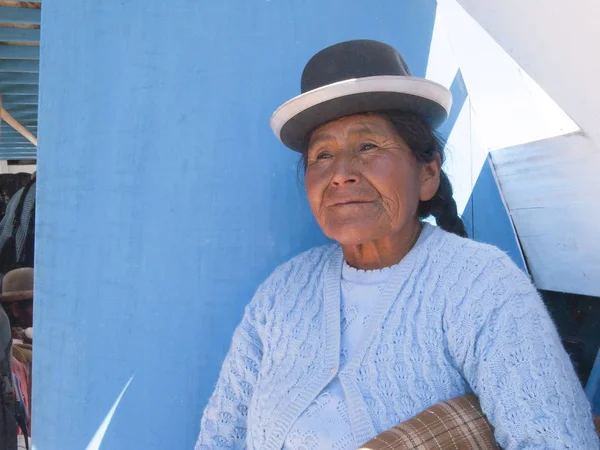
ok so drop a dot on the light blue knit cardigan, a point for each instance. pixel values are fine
(456, 316)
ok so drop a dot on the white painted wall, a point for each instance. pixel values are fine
(552, 189)
(465, 156)
(556, 43)
(508, 107)
(504, 108)
(525, 88)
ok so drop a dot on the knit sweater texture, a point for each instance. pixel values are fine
(455, 317)
(360, 291)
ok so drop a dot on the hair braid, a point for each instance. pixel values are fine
(443, 207)
(426, 145)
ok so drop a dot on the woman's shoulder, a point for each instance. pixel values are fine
(477, 270)
(470, 253)
(475, 263)
(300, 269)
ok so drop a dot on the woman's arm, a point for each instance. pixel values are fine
(224, 421)
(504, 341)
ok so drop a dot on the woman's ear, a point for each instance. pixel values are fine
(430, 178)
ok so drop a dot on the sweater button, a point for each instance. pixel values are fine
(332, 371)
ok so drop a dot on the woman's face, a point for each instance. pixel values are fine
(363, 182)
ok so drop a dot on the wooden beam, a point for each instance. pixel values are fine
(24, 116)
(20, 15)
(19, 65)
(10, 137)
(13, 139)
(28, 123)
(30, 35)
(21, 4)
(7, 130)
(17, 126)
(15, 78)
(19, 52)
(22, 110)
(8, 133)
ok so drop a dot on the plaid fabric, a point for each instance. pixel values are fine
(457, 424)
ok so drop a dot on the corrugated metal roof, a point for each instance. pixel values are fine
(19, 76)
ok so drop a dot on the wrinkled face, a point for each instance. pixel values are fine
(363, 182)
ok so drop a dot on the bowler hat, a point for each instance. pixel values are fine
(356, 77)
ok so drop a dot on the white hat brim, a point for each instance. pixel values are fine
(423, 97)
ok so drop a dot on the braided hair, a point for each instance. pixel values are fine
(425, 144)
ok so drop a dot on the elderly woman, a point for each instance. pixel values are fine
(345, 341)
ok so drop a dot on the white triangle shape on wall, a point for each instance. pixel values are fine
(509, 108)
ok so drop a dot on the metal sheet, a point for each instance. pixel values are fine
(552, 191)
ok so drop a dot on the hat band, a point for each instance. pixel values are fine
(418, 87)
(16, 296)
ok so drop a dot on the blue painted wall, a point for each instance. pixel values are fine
(592, 388)
(487, 219)
(164, 199)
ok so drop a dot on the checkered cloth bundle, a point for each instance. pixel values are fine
(457, 424)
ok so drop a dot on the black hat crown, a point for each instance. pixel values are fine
(352, 59)
(356, 77)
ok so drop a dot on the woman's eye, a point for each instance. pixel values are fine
(323, 155)
(365, 147)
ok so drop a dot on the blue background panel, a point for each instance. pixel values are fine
(487, 219)
(164, 200)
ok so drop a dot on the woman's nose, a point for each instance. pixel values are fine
(344, 171)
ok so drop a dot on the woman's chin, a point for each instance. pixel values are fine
(352, 234)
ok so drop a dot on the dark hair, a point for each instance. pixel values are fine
(425, 144)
